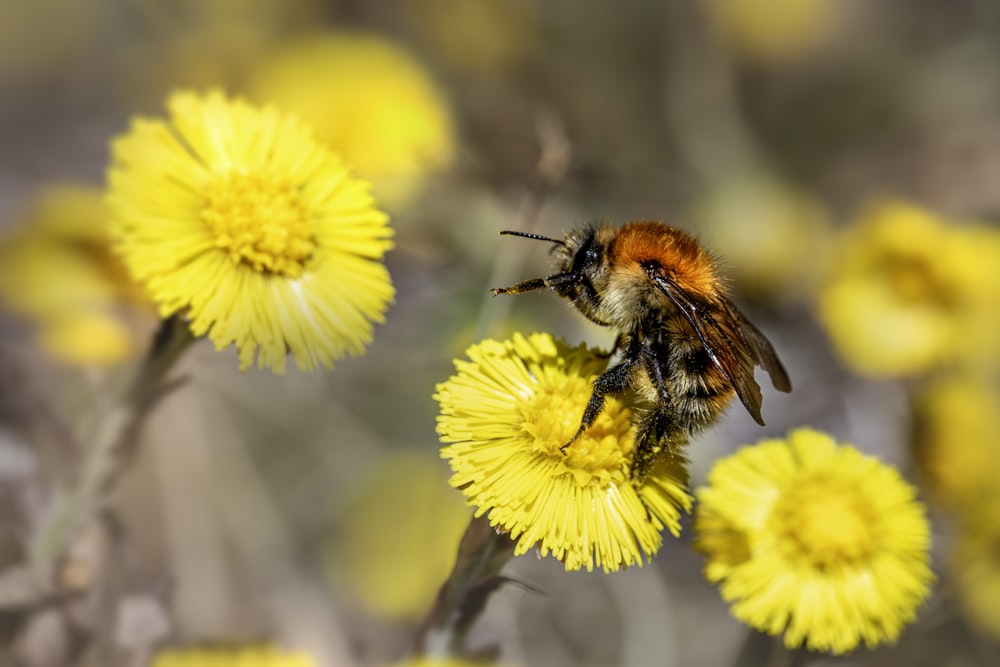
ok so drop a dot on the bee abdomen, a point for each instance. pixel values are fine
(699, 409)
(699, 392)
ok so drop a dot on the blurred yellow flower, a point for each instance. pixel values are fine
(957, 434)
(58, 271)
(369, 100)
(237, 218)
(476, 37)
(974, 563)
(909, 293)
(775, 238)
(240, 656)
(775, 30)
(396, 564)
(814, 540)
(508, 411)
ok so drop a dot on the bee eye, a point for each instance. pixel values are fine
(586, 256)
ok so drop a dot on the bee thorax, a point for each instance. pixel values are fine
(630, 300)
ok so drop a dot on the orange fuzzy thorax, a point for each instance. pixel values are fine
(688, 264)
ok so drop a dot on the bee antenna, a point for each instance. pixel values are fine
(537, 237)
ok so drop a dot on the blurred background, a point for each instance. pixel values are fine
(841, 157)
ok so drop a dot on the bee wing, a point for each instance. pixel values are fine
(721, 334)
(762, 350)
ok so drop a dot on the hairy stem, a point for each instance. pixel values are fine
(482, 554)
(111, 449)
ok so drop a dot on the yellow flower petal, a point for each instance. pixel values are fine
(974, 563)
(387, 560)
(958, 437)
(88, 339)
(239, 656)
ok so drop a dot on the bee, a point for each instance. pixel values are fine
(682, 345)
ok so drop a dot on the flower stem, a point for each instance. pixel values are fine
(171, 339)
(761, 649)
(111, 449)
(482, 554)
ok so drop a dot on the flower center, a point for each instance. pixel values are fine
(553, 416)
(826, 523)
(260, 221)
(915, 281)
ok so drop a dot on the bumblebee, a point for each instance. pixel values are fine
(681, 343)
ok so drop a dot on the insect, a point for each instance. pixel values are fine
(681, 343)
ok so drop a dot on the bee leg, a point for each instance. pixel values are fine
(655, 434)
(654, 369)
(614, 380)
(656, 430)
(520, 288)
(558, 282)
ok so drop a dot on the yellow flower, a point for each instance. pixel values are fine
(974, 563)
(369, 100)
(749, 222)
(910, 293)
(509, 410)
(242, 656)
(814, 540)
(391, 563)
(957, 437)
(477, 38)
(58, 271)
(775, 30)
(237, 218)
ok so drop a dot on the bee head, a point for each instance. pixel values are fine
(580, 253)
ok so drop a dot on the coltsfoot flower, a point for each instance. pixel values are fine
(957, 438)
(911, 292)
(57, 270)
(388, 562)
(748, 220)
(237, 218)
(507, 412)
(241, 656)
(370, 100)
(974, 563)
(776, 31)
(814, 540)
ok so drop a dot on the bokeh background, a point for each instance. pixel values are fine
(313, 510)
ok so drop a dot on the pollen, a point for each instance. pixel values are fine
(552, 417)
(826, 523)
(259, 220)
